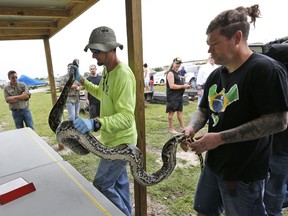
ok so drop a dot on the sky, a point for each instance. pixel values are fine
(170, 28)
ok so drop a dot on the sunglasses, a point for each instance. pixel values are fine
(95, 51)
(13, 77)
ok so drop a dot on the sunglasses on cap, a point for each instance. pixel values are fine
(95, 51)
(177, 60)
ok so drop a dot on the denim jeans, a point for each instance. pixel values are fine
(21, 116)
(276, 186)
(112, 181)
(73, 111)
(200, 97)
(213, 195)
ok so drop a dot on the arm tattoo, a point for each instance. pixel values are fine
(263, 126)
(199, 118)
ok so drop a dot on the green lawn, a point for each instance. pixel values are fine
(176, 192)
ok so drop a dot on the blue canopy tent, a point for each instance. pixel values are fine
(32, 83)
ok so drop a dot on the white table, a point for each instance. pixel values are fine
(60, 189)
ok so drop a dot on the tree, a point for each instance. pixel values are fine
(157, 69)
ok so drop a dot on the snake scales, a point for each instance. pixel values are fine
(82, 144)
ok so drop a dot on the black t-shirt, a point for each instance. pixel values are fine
(257, 87)
(96, 81)
(280, 143)
(174, 94)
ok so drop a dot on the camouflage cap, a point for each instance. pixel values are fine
(177, 60)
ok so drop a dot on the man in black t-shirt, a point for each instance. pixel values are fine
(92, 102)
(245, 101)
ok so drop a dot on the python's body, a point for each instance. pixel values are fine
(68, 136)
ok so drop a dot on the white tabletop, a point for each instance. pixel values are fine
(60, 189)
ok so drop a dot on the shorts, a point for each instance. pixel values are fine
(173, 106)
(146, 82)
(214, 195)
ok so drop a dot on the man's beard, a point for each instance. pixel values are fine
(100, 63)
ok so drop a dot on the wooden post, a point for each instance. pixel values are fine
(50, 74)
(50, 70)
(135, 57)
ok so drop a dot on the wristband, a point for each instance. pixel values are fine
(97, 125)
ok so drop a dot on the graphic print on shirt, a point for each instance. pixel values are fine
(219, 101)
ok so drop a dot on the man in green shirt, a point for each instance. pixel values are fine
(117, 95)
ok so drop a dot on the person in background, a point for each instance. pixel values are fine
(203, 73)
(17, 95)
(146, 77)
(175, 89)
(276, 185)
(92, 102)
(73, 99)
(182, 73)
(117, 95)
(242, 118)
(276, 194)
(152, 83)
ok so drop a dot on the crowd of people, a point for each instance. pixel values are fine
(17, 95)
(245, 170)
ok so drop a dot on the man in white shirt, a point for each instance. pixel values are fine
(203, 74)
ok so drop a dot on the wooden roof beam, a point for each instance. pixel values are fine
(27, 24)
(22, 37)
(74, 13)
(26, 32)
(34, 12)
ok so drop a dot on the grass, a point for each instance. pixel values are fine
(176, 192)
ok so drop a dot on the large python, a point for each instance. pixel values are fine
(70, 137)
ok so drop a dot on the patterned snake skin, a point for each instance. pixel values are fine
(83, 144)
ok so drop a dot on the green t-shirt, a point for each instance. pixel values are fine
(117, 93)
